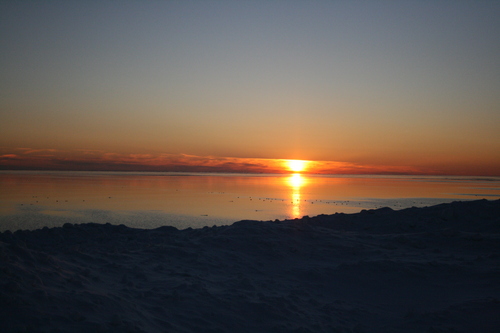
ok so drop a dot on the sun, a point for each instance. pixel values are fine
(296, 165)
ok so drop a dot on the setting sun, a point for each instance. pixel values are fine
(296, 165)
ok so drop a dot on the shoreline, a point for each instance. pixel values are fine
(418, 269)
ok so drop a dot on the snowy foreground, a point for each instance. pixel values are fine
(434, 269)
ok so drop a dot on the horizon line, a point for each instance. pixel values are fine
(250, 172)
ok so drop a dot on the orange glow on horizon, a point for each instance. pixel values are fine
(96, 160)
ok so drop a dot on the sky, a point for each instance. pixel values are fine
(239, 86)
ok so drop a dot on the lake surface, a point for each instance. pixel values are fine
(32, 200)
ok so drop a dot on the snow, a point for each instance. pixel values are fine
(432, 269)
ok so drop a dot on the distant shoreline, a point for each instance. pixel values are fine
(284, 173)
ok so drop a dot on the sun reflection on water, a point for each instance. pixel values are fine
(296, 181)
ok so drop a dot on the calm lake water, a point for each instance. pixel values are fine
(32, 200)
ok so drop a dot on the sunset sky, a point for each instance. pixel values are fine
(353, 86)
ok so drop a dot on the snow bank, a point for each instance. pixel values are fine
(431, 269)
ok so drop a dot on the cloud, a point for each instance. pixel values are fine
(97, 160)
(35, 151)
(8, 157)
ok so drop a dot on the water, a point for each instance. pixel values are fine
(32, 200)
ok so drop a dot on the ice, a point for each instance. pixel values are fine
(413, 270)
